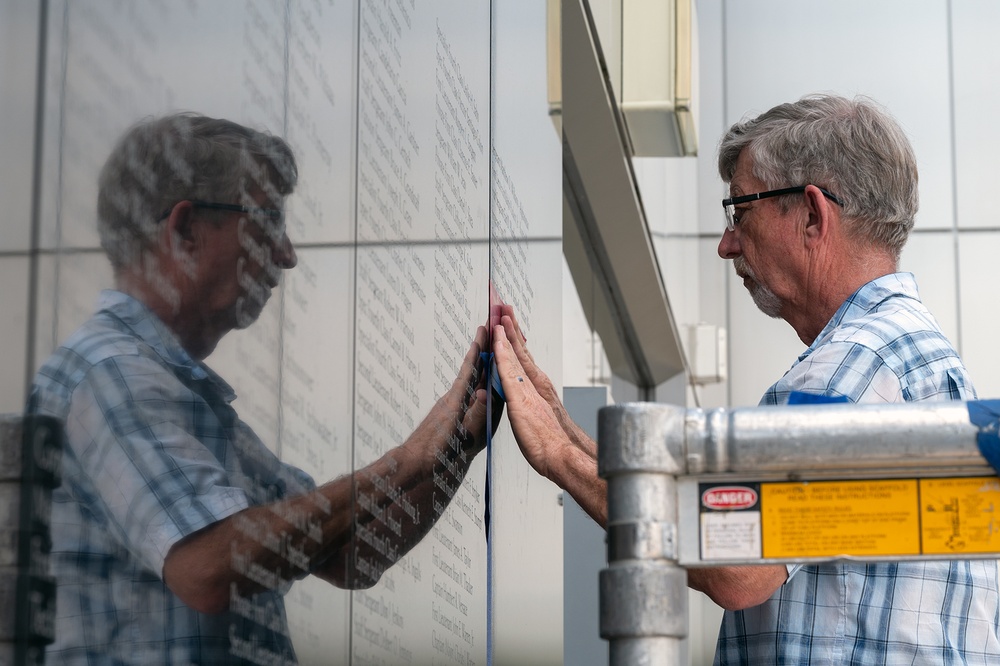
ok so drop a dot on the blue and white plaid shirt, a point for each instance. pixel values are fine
(882, 345)
(154, 453)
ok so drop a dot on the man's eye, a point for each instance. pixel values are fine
(738, 215)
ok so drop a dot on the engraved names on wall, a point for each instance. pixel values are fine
(421, 202)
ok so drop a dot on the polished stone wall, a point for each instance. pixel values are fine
(429, 171)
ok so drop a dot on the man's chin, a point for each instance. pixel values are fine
(765, 300)
(247, 311)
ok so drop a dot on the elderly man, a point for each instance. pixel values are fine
(823, 196)
(176, 531)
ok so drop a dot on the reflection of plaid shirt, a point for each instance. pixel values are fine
(154, 453)
(882, 345)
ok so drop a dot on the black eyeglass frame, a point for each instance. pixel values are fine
(270, 213)
(729, 205)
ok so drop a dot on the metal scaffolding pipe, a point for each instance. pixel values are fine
(893, 436)
(643, 448)
(643, 602)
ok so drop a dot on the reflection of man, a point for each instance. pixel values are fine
(824, 193)
(176, 531)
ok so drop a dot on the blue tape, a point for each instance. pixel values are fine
(492, 374)
(800, 398)
(985, 415)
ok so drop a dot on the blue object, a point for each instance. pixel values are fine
(492, 374)
(489, 364)
(802, 398)
(985, 415)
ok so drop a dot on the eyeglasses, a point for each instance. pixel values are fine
(262, 216)
(732, 219)
(273, 214)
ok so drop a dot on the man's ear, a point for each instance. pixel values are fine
(179, 229)
(182, 238)
(822, 216)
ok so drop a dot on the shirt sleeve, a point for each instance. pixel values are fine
(142, 444)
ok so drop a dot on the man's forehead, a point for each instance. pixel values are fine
(743, 181)
(264, 195)
(263, 178)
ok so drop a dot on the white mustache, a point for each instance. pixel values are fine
(742, 269)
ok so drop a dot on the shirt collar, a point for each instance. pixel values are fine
(866, 299)
(152, 331)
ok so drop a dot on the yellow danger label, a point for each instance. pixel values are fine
(960, 515)
(831, 518)
(884, 517)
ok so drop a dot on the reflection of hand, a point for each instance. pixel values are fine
(471, 385)
(456, 425)
(368, 519)
(424, 473)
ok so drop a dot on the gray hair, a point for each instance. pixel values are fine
(853, 148)
(159, 162)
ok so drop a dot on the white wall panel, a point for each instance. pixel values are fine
(651, 179)
(669, 198)
(678, 257)
(583, 358)
(711, 121)
(668, 188)
(977, 105)
(979, 275)
(931, 257)
(18, 42)
(13, 332)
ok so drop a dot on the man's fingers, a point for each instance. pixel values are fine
(517, 344)
(512, 335)
(535, 425)
(467, 374)
(508, 311)
(474, 420)
(510, 368)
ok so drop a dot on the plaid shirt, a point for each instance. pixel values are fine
(154, 453)
(882, 345)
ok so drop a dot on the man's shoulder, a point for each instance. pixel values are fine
(894, 351)
(119, 327)
(897, 320)
(886, 348)
(99, 340)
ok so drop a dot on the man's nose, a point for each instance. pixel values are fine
(283, 253)
(729, 245)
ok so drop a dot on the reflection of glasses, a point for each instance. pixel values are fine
(732, 219)
(273, 214)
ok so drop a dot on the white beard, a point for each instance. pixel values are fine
(251, 304)
(765, 299)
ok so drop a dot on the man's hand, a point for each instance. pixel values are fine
(551, 442)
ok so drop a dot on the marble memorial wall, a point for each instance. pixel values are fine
(429, 177)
